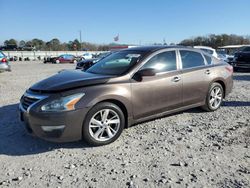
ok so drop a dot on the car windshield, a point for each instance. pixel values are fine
(102, 55)
(1, 55)
(117, 63)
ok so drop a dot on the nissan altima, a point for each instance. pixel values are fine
(122, 89)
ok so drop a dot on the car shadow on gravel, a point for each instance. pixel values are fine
(15, 141)
(236, 103)
(225, 104)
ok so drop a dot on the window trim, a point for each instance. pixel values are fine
(136, 69)
(190, 68)
(206, 59)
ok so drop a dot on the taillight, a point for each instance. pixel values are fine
(230, 69)
(4, 60)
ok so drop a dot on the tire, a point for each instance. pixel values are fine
(213, 100)
(95, 131)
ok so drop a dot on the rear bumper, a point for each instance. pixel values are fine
(56, 127)
(4, 67)
(229, 86)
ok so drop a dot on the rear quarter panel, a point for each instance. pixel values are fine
(221, 74)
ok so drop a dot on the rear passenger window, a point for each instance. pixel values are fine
(191, 59)
(208, 59)
(162, 62)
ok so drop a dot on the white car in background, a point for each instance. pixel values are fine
(87, 56)
(208, 50)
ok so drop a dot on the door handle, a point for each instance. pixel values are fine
(207, 72)
(176, 79)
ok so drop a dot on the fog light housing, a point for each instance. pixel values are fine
(53, 128)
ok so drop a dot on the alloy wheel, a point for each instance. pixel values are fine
(104, 125)
(215, 97)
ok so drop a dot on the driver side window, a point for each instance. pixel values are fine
(163, 62)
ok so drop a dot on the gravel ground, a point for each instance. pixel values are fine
(188, 149)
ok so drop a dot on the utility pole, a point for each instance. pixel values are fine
(80, 33)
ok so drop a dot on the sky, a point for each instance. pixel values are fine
(136, 21)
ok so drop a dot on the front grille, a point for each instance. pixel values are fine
(27, 101)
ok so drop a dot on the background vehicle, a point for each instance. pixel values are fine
(65, 58)
(207, 49)
(4, 63)
(87, 56)
(125, 88)
(230, 50)
(49, 59)
(222, 55)
(241, 59)
(86, 64)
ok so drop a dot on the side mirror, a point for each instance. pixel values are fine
(146, 72)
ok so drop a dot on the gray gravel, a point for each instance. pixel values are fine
(188, 149)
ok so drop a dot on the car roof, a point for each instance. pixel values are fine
(154, 48)
(204, 47)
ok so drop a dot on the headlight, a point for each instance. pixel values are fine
(63, 104)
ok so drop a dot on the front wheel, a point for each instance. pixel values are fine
(214, 97)
(104, 123)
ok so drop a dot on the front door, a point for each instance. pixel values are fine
(162, 92)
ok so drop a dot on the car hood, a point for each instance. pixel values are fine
(66, 80)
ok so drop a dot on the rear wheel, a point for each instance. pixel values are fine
(214, 97)
(104, 123)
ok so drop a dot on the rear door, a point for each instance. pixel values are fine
(159, 93)
(196, 75)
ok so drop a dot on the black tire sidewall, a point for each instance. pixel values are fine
(85, 130)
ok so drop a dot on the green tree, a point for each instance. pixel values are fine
(11, 42)
(38, 44)
(76, 45)
(216, 40)
(22, 43)
(55, 44)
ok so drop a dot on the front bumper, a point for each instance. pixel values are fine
(56, 127)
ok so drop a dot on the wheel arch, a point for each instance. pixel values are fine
(121, 105)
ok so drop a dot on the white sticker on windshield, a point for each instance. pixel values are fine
(133, 55)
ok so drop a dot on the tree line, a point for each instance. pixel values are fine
(216, 41)
(55, 44)
(52, 45)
